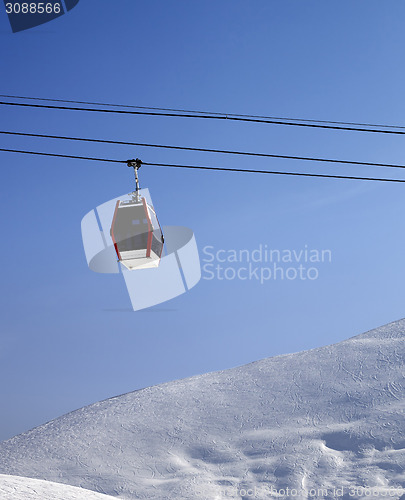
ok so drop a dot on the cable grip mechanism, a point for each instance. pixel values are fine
(136, 165)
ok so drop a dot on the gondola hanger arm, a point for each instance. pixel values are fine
(136, 165)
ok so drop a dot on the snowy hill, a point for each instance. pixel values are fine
(324, 419)
(22, 488)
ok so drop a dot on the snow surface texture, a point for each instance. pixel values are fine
(22, 488)
(319, 420)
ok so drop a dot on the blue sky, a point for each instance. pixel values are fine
(68, 337)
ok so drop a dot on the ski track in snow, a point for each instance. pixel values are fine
(327, 418)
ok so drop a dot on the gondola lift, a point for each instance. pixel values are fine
(135, 230)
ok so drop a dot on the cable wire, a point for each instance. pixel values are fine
(203, 116)
(205, 150)
(203, 112)
(61, 155)
(199, 167)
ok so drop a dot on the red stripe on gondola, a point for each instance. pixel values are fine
(150, 227)
(112, 230)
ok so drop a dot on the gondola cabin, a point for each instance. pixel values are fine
(136, 234)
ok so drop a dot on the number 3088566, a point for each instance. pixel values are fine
(33, 8)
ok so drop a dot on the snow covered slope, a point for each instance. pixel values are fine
(22, 488)
(324, 419)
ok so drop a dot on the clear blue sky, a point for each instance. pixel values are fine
(68, 338)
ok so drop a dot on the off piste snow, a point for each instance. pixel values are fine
(326, 422)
